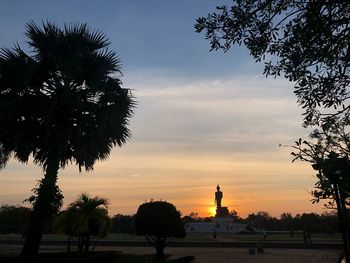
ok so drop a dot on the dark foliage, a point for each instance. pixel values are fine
(330, 140)
(305, 41)
(65, 100)
(13, 219)
(159, 221)
(86, 219)
(324, 223)
(123, 224)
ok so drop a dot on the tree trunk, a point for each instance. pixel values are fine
(345, 221)
(94, 243)
(87, 244)
(342, 220)
(42, 210)
(68, 244)
(160, 244)
(81, 243)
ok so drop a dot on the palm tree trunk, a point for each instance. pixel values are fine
(94, 243)
(41, 210)
(81, 243)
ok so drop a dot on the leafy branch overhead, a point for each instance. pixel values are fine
(307, 42)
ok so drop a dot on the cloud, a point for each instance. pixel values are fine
(237, 114)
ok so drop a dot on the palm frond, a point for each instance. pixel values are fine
(97, 39)
(81, 34)
(4, 156)
(68, 92)
(42, 39)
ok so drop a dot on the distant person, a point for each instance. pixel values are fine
(215, 238)
(308, 236)
(304, 236)
(264, 234)
(292, 233)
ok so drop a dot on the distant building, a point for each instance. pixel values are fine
(219, 227)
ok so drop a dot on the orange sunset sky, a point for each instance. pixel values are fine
(202, 118)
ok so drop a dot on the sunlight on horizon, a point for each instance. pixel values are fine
(211, 211)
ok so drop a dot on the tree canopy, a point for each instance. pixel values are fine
(63, 99)
(307, 42)
(158, 221)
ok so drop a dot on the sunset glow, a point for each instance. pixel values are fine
(211, 211)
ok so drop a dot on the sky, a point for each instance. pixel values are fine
(202, 118)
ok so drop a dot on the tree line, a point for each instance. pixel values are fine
(86, 220)
(14, 219)
(317, 223)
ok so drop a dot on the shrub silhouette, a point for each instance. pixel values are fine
(159, 221)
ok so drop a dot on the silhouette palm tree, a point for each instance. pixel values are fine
(87, 219)
(63, 103)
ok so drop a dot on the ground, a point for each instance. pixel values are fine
(209, 254)
(223, 255)
(219, 255)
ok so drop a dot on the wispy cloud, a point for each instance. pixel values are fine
(249, 110)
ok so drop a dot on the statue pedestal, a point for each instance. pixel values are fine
(222, 212)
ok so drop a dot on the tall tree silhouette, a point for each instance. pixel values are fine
(61, 103)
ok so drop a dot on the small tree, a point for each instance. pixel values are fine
(158, 221)
(87, 219)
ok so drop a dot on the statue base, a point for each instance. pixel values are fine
(222, 212)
